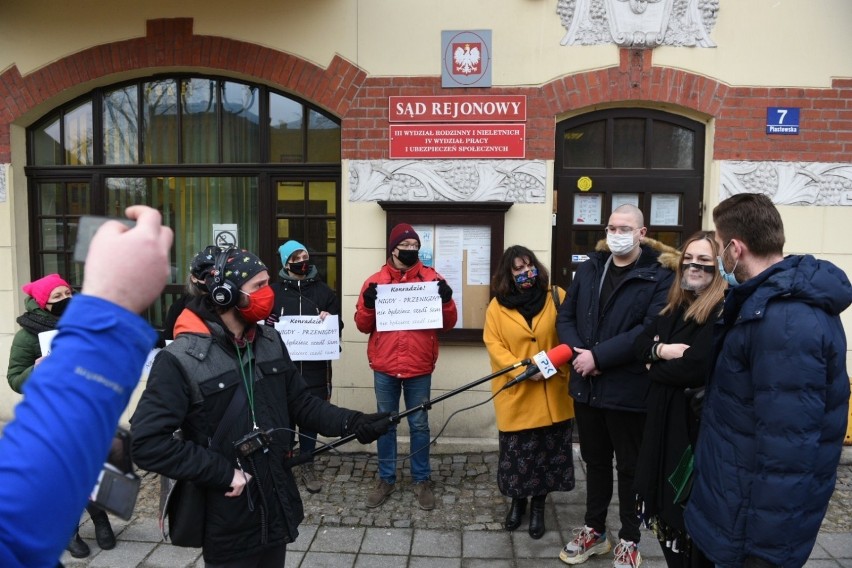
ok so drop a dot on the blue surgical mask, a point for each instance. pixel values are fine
(727, 276)
(527, 279)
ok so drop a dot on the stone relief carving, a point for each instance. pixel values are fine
(789, 183)
(518, 181)
(4, 173)
(638, 23)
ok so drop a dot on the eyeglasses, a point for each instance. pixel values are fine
(623, 230)
(403, 246)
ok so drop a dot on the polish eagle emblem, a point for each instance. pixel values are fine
(467, 58)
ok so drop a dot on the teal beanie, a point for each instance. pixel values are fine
(287, 249)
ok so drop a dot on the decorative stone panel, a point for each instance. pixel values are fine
(516, 181)
(638, 23)
(789, 183)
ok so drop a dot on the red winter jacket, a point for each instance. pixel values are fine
(407, 353)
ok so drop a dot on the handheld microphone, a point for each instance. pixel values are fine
(544, 363)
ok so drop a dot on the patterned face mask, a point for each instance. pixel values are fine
(527, 279)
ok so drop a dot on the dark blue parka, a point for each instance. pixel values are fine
(774, 417)
(610, 331)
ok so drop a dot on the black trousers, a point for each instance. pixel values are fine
(604, 432)
(272, 558)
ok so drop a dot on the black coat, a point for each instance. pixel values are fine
(610, 332)
(170, 401)
(308, 297)
(670, 426)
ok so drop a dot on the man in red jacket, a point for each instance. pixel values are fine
(402, 363)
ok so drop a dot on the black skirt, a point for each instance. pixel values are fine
(537, 461)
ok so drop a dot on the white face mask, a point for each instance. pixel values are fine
(619, 244)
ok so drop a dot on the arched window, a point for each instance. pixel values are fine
(223, 161)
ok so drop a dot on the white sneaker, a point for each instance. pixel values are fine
(588, 542)
(626, 555)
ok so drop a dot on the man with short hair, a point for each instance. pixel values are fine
(613, 296)
(775, 411)
(402, 363)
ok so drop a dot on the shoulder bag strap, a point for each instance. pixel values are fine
(554, 291)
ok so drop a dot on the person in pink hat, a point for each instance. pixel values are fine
(47, 299)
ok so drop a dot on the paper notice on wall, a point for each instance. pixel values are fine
(309, 338)
(449, 246)
(477, 243)
(408, 306)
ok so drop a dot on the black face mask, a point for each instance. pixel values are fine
(408, 257)
(299, 268)
(58, 308)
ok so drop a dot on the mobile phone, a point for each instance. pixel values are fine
(86, 229)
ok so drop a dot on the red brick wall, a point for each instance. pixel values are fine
(362, 102)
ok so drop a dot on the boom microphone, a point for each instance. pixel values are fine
(544, 363)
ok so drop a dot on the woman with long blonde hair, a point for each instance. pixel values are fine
(677, 349)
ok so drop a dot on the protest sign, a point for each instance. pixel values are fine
(308, 338)
(408, 306)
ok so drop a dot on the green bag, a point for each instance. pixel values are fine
(681, 477)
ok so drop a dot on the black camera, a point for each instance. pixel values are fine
(252, 442)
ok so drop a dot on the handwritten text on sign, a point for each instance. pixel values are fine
(408, 306)
(308, 338)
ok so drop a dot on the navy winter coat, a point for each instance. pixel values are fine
(609, 332)
(774, 416)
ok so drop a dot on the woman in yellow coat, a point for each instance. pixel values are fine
(534, 417)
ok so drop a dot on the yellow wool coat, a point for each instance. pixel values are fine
(508, 338)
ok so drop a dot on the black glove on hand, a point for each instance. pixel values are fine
(272, 319)
(445, 291)
(368, 427)
(696, 400)
(370, 294)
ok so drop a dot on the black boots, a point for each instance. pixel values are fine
(77, 547)
(537, 517)
(516, 511)
(103, 530)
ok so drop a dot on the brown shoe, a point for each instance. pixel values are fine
(309, 478)
(425, 497)
(380, 494)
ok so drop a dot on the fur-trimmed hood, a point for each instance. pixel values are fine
(669, 256)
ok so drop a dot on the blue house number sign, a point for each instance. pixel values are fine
(782, 120)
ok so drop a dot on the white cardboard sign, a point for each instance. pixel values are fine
(308, 338)
(414, 305)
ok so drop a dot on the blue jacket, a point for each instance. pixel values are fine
(774, 416)
(609, 332)
(54, 449)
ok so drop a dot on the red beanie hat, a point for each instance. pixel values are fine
(40, 289)
(400, 233)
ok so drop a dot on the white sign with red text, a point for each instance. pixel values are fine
(414, 305)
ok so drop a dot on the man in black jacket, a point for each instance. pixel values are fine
(613, 296)
(230, 386)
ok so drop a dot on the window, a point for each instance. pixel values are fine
(206, 151)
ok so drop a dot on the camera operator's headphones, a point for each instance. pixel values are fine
(223, 292)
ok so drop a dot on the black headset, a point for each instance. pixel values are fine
(223, 292)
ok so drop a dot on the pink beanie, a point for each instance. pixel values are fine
(40, 289)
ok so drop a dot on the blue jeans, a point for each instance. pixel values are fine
(416, 392)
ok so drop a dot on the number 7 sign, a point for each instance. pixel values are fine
(782, 120)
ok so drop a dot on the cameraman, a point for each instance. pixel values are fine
(252, 503)
(52, 452)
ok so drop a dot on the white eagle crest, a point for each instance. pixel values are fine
(467, 59)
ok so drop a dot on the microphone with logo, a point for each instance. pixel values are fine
(544, 363)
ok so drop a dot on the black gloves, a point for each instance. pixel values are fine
(369, 296)
(445, 291)
(368, 427)
(272, 319)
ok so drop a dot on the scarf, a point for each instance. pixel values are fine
(528, 302)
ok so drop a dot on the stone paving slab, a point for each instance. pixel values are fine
(464, 531)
